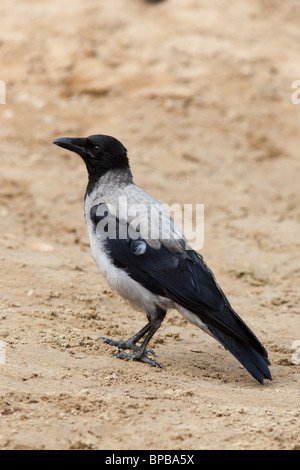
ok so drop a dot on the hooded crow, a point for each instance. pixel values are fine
(145, 257)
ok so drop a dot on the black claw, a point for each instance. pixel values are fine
(137, 357)
(139, 354)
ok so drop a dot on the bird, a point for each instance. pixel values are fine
(149, 262)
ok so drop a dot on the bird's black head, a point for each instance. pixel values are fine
(100, 153)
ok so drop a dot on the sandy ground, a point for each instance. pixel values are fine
(200, 94)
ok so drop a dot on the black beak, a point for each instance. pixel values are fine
(76, 145)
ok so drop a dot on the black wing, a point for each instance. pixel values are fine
(182, 276)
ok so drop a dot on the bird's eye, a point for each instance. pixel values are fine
(95, 150)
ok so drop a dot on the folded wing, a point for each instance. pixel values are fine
(167, 268)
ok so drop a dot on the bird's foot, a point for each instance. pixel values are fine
(137, 356)
(121, 344)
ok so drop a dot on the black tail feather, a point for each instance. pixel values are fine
(255, 362)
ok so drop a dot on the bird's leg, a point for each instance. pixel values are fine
(131, 342)
(140, 353)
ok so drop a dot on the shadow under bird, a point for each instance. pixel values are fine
(153, 273)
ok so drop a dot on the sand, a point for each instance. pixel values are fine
(200, 93)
